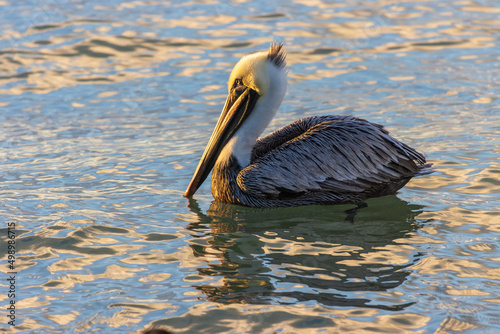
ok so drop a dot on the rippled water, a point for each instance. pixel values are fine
(106, 107)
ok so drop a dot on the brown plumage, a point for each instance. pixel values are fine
(315, 160)
(319, 160)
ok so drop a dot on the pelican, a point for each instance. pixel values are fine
(316, 160)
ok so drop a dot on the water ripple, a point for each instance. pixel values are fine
(105, 109)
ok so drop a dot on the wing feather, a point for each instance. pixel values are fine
(327, 154)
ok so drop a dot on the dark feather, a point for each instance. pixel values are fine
(277, 54)
(329, 154)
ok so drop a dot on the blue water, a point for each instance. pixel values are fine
(106, 107)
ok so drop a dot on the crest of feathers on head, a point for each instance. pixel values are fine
(277, 54)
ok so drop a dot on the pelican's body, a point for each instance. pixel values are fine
(316, 160)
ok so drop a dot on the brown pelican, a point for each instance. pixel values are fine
(315, 160)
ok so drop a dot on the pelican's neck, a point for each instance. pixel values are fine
(241, 144)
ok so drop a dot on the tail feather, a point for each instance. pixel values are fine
(425, 169)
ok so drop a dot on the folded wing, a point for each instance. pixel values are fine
(328, 154)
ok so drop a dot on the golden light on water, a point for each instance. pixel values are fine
(106, 108)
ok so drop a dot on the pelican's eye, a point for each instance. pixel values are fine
(238, 87)
(237, 82)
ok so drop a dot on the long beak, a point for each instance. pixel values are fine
(239, 105)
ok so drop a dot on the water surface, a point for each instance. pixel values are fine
(107, 106)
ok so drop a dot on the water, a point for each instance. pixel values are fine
(106, 107)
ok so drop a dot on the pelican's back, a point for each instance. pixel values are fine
(344, 156)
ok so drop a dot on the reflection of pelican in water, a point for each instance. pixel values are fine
(260, 255)
(316, 160)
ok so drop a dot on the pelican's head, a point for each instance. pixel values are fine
(259, 70)
(256, 88)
